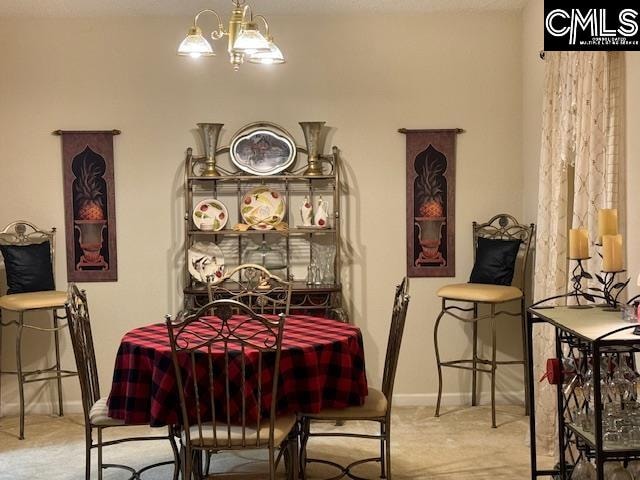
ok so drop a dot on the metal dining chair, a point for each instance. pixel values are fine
(29, 259)
(376, 408)
(96, 411)
(254, 286)
(492, 241)
(224, 407)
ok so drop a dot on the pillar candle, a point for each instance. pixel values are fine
(607, 222)
(578, 243)
(611, 253)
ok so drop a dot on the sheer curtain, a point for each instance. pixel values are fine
(580, 168)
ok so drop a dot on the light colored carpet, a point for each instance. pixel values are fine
(460, 445)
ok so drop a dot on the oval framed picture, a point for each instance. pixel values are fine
(262, 149)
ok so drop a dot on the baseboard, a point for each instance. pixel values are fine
(40, 408)
(399, 399)
(430, 399)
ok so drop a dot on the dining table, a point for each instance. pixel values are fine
(322, 366)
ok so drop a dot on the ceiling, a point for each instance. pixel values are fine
(93, 8)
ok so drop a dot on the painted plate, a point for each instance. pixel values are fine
(210, 214)
(206, 260)
(263, 208)
(262, 149)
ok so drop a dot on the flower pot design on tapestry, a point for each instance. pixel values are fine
(430, 208)
(89, 207)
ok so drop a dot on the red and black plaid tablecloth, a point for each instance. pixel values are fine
(321, 366)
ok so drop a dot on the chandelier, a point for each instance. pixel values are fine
(246, 42)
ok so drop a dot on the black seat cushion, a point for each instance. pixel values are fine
(28, 267)
(495, 261)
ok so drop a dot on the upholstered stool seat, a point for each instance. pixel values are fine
(374, 406)
(479, 292)
(238, 437)
(20, 302)
(99, 415)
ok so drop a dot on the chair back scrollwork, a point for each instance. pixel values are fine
(254, 286)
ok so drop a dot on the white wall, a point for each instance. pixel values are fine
(365, 76)
(532, 87)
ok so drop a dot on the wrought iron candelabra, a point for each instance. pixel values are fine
(577, 275)
(609, 290)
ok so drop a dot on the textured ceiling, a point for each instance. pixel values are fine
(90, 8)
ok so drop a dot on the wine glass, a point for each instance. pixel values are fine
(633, 467)
(621, 386)
(620, 474)
(584, 470)
(609, 468)
(631, 376)
(587, 385)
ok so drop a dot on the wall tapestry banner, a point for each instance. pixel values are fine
(89, 203)
(431, 156)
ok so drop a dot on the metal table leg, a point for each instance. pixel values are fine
(56, 341)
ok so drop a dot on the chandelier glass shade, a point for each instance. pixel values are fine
(273, 55)
(245, 40)
(195, 45)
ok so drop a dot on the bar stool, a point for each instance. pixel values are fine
(28, 254)
(501, 252)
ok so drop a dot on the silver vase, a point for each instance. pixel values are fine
(210, 133)
(311, 132)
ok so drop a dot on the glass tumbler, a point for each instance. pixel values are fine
(611, 438)
(628, 313)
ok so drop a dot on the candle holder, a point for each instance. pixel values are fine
(610, 290)
(577, 275)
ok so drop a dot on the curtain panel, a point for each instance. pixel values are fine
(580, 172)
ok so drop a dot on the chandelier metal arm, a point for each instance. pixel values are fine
(216, 34)
(266, 25)
(246, 7)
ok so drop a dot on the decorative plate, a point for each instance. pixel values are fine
(262, 149)
(263, 208)
(210, 214)
(206, 260)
